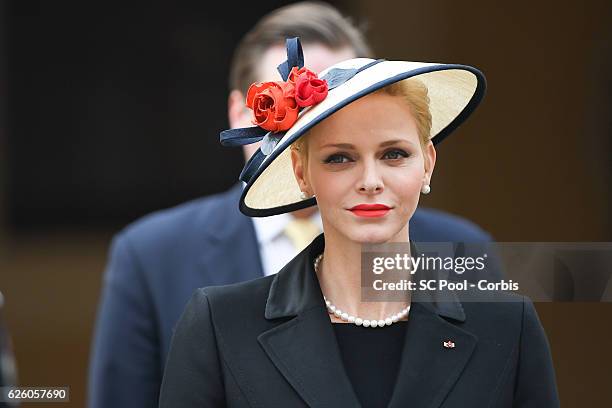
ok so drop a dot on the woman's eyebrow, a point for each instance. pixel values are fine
(394, 141)
(340, 145)
(350, 146)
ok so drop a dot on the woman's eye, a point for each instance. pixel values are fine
(395, 154)
(337, 158)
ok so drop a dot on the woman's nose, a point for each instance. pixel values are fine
(371, 180)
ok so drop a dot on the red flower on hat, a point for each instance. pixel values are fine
(276, 105)
(273, 104)
(309, 89)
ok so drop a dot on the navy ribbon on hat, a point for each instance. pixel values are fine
(253, 134)
(295, 57)
(251, 166)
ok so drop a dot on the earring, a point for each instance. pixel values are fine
(425, 189)
(305, 196)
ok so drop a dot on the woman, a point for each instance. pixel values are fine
(361, 140)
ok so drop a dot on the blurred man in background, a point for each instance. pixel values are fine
(157, 262)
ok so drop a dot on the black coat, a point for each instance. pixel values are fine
(269, 342)
(157, 262)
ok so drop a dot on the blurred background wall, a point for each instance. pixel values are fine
(111, 112)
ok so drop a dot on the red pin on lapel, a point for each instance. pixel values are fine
(449, 344)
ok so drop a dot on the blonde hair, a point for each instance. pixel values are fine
(414, 93)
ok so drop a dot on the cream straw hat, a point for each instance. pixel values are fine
(454, 92)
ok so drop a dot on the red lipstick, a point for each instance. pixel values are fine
(370, 210)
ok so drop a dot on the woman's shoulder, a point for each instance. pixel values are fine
(236, 291)
(225, 298)
(500, 312)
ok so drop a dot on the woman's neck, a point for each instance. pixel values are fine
(339, 275)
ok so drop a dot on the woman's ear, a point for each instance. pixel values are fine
(429, 154)
(299, 170)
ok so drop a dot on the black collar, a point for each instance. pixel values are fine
(295, 288)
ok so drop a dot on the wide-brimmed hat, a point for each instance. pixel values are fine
(285, 110)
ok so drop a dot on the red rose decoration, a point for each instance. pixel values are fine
(274, 105)
(309, 89)
(295, 73)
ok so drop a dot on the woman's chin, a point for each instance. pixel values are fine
(371, 235)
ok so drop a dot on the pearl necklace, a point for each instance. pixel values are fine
(331, 309)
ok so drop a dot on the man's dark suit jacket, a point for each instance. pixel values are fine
(157, 263)
(269, 342)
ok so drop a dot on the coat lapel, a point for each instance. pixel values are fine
(231, 232)
(428, 370)
(305, 351)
